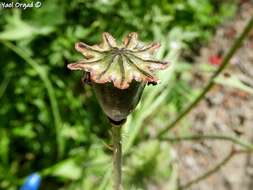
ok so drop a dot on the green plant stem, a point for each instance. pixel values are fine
(245, 145)
(117, 157)
(212, 170)
(210, 84)
(4, 84)
(49, 87)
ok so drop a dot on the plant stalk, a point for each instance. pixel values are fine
(238, 42)
(245, 145)
(117, 157)
(213, 170)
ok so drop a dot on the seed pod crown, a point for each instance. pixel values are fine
(119, 63)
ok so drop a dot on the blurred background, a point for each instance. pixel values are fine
(51, 123)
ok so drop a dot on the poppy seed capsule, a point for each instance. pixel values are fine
(117, 103)
(119, 73)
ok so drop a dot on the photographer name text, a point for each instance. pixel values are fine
(20, 5)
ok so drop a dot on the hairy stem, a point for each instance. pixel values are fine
(117, 157)
(210, 84)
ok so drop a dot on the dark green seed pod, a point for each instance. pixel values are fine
(117, 103)
(119, 73)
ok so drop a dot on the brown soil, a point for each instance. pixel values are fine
(225, 110)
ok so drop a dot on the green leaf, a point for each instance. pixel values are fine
(25, 131)
(17, 29)
(4, 144)
(67, 169)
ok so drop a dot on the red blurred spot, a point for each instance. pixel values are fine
(215, 60)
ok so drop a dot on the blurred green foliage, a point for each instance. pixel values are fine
(52, 124)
